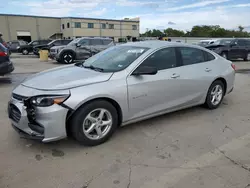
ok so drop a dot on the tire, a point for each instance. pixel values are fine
(225, 55)
(25, 51)
(81, 122)
(247, 58)
(218, 98)
(67, 58)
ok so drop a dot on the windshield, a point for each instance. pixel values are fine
(73, 42)
(51, 42)
(115, 58)
(223, 42)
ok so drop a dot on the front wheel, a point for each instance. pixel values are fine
(247, 58)
(225, 55)
(67, 57)
(25, 51)
(94, 123)
(215, 94)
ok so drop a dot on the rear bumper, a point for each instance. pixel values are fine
(6, 67)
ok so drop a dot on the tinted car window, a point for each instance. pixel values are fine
(191, 55)
(106, 42)
(162, 59)
(96, 42)
(58, 42)
(84, 42)
(208, 56)
(247, 42)
(241, 43)
(35, 43)
(65, 42)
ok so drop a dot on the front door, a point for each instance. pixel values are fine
(150, 94)
(83, 50)
(237, 50)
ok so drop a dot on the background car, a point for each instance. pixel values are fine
(27, 48)
(204, 43)
(232, 48)
(57, 42)
(120, 85)
(83, 49)
(15, 44)
(6, 65)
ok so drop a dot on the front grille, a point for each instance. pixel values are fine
(14, 113)
(18, 97)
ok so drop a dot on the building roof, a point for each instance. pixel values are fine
(124, 20)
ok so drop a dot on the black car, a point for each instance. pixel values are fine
(232, 48)
(6, 65)
(58, 42)
(26, 49)
(14, 45)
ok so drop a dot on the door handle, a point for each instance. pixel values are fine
(208, 70)
(175, 76)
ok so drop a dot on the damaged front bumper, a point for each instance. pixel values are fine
(41, 123)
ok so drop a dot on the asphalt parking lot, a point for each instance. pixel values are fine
(193, 148)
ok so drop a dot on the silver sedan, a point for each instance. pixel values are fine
(121, 85)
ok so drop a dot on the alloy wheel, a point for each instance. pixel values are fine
(68, 58)
(97, 124)
(216, 95)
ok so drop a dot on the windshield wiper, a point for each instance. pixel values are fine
(94, 68)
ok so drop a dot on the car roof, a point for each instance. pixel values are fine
(103, 38)
(158, 44)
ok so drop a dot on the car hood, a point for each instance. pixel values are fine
(65, 77)
(41, 45)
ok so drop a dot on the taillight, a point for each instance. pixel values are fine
(3, 54)
(233, 66)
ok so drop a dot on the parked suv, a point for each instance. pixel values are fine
(57, 42)
(15, 44)
(83, 49)
(27, 48)
(232, 48)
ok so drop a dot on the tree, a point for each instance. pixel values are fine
(240, 28)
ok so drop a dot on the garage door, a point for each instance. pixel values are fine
(23, 33)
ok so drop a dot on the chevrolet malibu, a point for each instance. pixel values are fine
(120, 85)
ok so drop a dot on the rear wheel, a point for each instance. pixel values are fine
(25, 51)
(225, 55)
(67, 57)
(94, 123)
(247, 58)
(215, 94)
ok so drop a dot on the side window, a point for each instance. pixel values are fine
(84, 42)
(241, 43)
(106, 42)
(95, 42)
(162, 59)
(65, 42)
(35, 43)
(58, 42)
(191, 55)
(208, 56)
(247, 43)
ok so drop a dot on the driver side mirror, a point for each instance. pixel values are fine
(78, 45)
(145, 70)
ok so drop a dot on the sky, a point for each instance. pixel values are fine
(154, 14)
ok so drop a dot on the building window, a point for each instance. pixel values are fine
(68, 25)
(111, 26)
(77, 24)
(134, 27)
(103, 26)
(90, 25)
(62, 26)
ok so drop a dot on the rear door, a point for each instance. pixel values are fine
(196, 74)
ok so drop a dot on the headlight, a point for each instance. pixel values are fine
(43, 101)
(18, 47)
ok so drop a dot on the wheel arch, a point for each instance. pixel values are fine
(71, 113)
(67, 51)
(223, 80)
